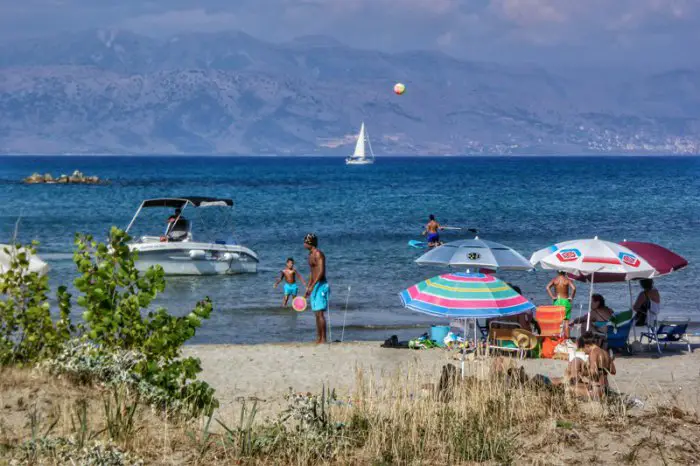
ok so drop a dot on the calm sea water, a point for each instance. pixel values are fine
(364, 217)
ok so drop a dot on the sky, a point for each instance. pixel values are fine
(648, 33)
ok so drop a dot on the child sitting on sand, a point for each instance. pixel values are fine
(289, 274)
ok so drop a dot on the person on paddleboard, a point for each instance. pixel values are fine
(432, 230)
(317, 289)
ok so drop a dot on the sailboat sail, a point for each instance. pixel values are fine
(360, 146)
(360, 156)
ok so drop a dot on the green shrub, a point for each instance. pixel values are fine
(122, 340)
(27, 331)
(116, 299)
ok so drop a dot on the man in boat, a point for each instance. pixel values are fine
(178, 226)
(431, 230)
(563, 295)
(318, 289)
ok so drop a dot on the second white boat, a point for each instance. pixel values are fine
(361, 156)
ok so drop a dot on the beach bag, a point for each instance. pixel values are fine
(548, 346)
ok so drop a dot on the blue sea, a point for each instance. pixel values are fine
(364, 217)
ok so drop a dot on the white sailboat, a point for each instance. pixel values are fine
(360, 156)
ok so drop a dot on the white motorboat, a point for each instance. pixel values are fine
(361, 156)
(179, 252)
(8, 251)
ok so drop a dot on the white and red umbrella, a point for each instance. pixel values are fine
(588, 257)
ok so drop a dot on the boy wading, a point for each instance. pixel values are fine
(318, 289)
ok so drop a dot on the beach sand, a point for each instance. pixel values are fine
(267, 372)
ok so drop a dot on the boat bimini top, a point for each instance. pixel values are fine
(180, 203)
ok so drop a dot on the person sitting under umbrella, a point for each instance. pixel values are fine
(600, 316)
(524, 319)
(648, 303)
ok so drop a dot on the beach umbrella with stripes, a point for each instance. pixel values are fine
(465, 296)
(664, 262)
(591, 257)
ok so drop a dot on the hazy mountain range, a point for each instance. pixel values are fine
(228, 93)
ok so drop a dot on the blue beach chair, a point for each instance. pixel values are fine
(668, 331)
(619, 328)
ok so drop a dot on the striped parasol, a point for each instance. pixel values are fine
(465, 296)
(593, 257)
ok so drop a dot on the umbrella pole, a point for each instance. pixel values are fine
(464, 349)
(634, 331)
(590, 303)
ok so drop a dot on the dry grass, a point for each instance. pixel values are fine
(491, 419)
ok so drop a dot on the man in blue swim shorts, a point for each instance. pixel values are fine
(431, 231)
(318, 289)
(289, 275)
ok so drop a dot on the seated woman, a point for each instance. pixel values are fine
(524, 319)
(600, 315)
(648, 304)
(588, 376)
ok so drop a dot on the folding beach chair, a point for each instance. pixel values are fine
(667, 331)
(619, 327)
(502, 338)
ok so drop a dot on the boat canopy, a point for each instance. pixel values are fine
(180, 202)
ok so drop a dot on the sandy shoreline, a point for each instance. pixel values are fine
(267, 372)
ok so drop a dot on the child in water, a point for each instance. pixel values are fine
(289, 275)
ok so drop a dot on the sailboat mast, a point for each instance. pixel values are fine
(369, 144)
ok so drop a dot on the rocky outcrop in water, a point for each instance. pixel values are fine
(76, 178)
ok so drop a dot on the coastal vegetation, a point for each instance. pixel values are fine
(113, 388)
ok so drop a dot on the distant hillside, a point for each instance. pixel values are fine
(228, 93)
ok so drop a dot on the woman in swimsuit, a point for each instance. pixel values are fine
(648, 304)
(588, 374)
(600, 315)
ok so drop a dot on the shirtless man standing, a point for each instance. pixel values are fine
(562, 286)
(431, 230)
(318, 288)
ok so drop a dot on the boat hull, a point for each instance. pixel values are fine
(358, 162)
(188, 258)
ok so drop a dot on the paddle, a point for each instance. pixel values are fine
(471, 230)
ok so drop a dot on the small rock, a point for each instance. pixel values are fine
(35, 178)
(77, 178)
